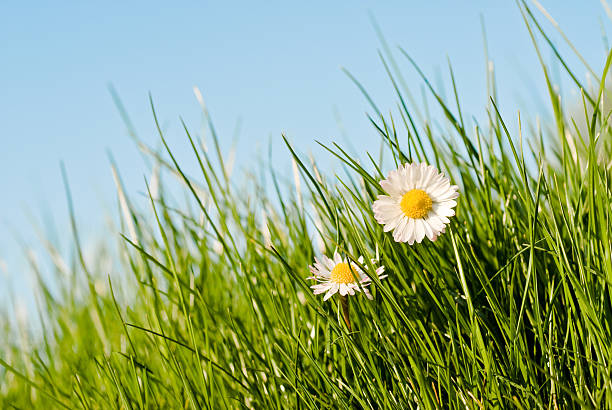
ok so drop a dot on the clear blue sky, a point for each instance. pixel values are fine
(275, 65)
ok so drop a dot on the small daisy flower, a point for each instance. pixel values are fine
(420, 201)
(338, 275)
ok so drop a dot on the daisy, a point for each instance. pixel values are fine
(420, 201)
(338, 275)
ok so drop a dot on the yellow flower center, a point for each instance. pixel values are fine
(416, 204)
(342, 273)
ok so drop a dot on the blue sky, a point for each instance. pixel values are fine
(273, 65)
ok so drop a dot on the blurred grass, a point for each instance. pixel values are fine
(510, 308)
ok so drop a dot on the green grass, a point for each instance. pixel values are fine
(511, 307)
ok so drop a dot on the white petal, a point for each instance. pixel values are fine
(425, 175)
(442, 210)
(385, 203)
(435, 222)
(398, 233)
(443, 218)
(429, 174)
(321, 288)
(391, 225)
(419, 230)
(450, 193)
(444, 193)
(321, 272)
(413, 177)
(333, 289)
(409, 236)
(389, 187)
(386, 209)
(329, 263)
(337, 258)
(429, 231)
(438, 190)
(448, 203)
(394, 181)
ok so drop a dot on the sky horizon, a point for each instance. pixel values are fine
(272, 68)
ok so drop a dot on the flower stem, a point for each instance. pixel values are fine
(344, 301)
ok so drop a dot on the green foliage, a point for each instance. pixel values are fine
(510, 308)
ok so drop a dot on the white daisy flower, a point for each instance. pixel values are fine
(338, 275)
(420, 201)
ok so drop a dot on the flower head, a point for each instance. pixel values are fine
(340, 275)
(420, 201)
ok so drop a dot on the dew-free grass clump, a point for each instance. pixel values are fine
(207, 303)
